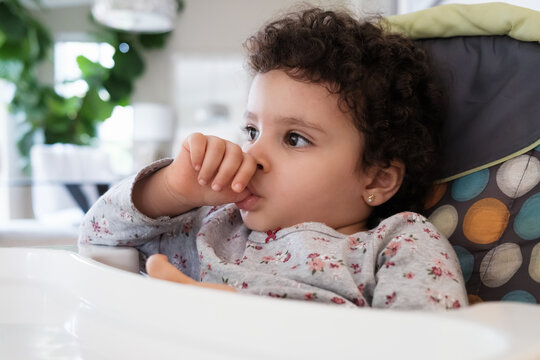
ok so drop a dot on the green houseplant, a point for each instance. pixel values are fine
(47, 117)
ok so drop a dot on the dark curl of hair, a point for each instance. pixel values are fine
(383, 80)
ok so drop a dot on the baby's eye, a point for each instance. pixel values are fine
(296, 140)
(251, 132)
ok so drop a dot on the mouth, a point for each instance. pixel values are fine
(252, 190)
(250, 201)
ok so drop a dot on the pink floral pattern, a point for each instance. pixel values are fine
(319, 238)
(408, 275)
(439, 269)
(357, 269)
(267, 259)
(234, 237)
(380, 232)
(126, 215)
(392, 248)
(231, 215)
(101, 226)
(412, 218)
(283, 256)
(446, 300)
(337, 300)
(390, 299)
(315, 264)
(179, 261)
(432, 234)
(276, 295)
(355, 243)
(271, 235)
(404, 248)
(187, 227)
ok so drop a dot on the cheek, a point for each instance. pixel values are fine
(335, 182)
(324, 176)
(308, 184)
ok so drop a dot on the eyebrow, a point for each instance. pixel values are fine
(289, 121)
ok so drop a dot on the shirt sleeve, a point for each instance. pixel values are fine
(115, 221)
(418, 269)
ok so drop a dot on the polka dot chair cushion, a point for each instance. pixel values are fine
(492, 219)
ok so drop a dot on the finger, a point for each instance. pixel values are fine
(229, 165)
(244, 173)
(159, 267)
(215, 150)
(197, 143)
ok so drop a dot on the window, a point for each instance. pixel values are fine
(66, 70)
(210, 95)
(115, 133)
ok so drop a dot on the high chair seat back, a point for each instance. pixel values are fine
(488, 200)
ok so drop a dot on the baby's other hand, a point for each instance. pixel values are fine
(210, 171)
(159, 267)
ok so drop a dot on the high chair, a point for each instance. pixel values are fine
(487, 204)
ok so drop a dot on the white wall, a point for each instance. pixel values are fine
(15, 199)
(205, 27)
(220, 27)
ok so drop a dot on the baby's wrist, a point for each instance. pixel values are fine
(176, 196)
(153, 197)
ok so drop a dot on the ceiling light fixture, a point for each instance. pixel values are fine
(145, 16)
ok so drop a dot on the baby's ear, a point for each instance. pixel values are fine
(383, 183)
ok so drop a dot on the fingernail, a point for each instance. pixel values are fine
(238, 187)
(202, 182)
(197, 167)
(216, 187)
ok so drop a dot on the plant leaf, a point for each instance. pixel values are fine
(93, 73)
(61, 106)
(94, 108)
(118, 88)
(3, 38)
(10, 23)
(180, 4)
(44, 41)
(153, 41)
(128, 65)
(11, 69)
(16, 50)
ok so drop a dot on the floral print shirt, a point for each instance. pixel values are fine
(403, 263)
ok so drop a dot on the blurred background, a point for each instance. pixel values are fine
(91, 91)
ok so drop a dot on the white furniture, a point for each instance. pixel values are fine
(57, 304)
(30, 232)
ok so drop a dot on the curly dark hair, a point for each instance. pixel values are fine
(383, 80)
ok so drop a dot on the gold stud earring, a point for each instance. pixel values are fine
(370, 198)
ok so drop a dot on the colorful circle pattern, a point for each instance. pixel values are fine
(470, 186)
(492, 219)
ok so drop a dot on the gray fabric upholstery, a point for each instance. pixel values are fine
(493, 86)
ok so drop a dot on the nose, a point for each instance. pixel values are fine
(261, 155)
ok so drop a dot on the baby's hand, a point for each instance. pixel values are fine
(209, 171)
(159, 267)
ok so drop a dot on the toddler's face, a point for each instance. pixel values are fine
(307, 150)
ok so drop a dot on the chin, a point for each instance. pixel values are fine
(252, 223)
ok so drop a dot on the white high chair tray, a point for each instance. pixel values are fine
(55, 304)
